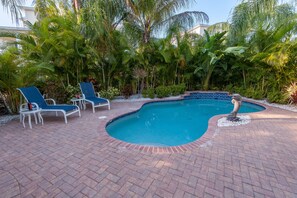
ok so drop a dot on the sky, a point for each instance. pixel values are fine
(217, 10)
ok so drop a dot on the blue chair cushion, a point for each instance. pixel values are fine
(97, 100)
(87, 89)
(32, 94)
(61, 107)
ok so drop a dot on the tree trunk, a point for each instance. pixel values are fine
(142, 85)
(67, 78)
(206, 81)
(103, 77)
(146, 34)
(244, 78)
(76, 5)
(5, 103)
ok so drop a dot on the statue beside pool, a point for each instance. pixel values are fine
(236, 100)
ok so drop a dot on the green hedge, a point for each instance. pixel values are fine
(163, 91)
(177, 89)
(110, 93)
(148, 93)
(173, 90)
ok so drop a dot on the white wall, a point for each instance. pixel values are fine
(5, 17)
(199, 29)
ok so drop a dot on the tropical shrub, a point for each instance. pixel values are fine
(67, 46)
(177, 89)
(127, 91)
(229, 88)
(55, 47)
(239, 90)
(258, 94)
(72, 91)
(291, 93)
(55, 90)
(10, 79)
(276, 97)
(163, 91)
(110, 93)
(148, 93)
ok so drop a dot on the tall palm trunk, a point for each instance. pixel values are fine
(76, 5)
(208, 76)
(146, 35)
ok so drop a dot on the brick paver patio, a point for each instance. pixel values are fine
(79, 159)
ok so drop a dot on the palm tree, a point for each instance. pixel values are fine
(146, 18)
(208, 56)
(267, 28)
(10, 79)
(12, 7)
(247, 15)
(100, 20)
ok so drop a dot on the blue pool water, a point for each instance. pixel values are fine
(171, 123)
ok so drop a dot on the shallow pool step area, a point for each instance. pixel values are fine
(208, 95)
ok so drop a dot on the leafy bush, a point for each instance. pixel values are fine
(249, 92)
(258, 94)
(72, 91)
(163, 91)
(110, 93)
(127, 91)
(291, 93)
(229, 88)
(54, 89)
(276, 96)
(215, 89)
(239, 90)
(148, 93)
(10, 79)
(177, 89)
(294, 98)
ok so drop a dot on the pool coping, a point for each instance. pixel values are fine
(200, 142)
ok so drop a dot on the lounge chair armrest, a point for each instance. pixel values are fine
(50, 99)
(98, 94)
(35, 105)
(24, 106)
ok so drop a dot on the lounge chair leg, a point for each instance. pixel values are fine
(35, 118)
(65, 117)
(20, 117)
(29, 119)
(40, 118)
(23, 118)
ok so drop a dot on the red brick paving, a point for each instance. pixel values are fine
(79, 159)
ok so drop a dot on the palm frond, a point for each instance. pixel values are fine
(12, 6)
(184, 19)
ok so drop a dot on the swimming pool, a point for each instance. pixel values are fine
(171, 123)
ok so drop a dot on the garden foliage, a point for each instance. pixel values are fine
(105, 41)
